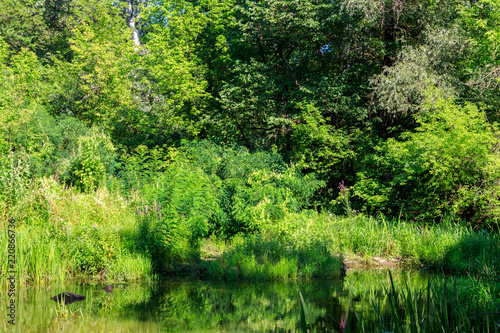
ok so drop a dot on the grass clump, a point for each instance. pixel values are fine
(440, 307)
(257, 257)
(63, 233)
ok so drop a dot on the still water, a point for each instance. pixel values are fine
(202, 306)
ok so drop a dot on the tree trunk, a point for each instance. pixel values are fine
(132, 11)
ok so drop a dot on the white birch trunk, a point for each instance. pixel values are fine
(132, 18)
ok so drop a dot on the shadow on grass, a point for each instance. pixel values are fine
(257, 257)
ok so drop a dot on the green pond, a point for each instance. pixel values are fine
(202, 306)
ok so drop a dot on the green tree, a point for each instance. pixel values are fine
(21, 91)
(299, 82)
(481, 69)
(182, 46)
(96, 85)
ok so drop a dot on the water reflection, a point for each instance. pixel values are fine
(109, 289)
(202, 306)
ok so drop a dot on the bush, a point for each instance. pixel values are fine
(449, 165)
(254, 189)
(175, 214)
(94, 159)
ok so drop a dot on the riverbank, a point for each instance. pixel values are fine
(367, 242)
(62, 233)
(103, 237)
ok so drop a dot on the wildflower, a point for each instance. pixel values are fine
(343, 322)
(342, 187)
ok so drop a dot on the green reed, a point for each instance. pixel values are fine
(441, 306)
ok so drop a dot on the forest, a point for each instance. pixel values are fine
(141, 138)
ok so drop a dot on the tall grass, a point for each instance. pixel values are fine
(439, 307)
(257, 257)
(62, 233)
(307, 245)
(38, 259)
(451, 245)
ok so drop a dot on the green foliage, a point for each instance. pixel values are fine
(321, 147)
(41, 26)
(287, 61)
(20, 89)
(142, 165)
(91, 247)
(448, 165)
(255, 190)
(256, 257)
(62, 233)
(50, 143)
(175, 100)
(450, 246)
(101, 66)
(402, 88)
(15, 179)
(178, 204)
(181, 194)
(480, 20)
(93, 160)
(310, 93)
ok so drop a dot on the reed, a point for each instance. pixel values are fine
(439, 307)
(37, 260)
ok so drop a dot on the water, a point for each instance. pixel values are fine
(201, 306)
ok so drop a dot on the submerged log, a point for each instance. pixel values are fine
(67, 298)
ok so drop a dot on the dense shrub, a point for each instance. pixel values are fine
(254, 189)
(449, 164)
(174, 214)
(94, 159)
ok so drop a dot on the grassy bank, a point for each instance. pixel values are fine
(62, 233)
(102, 235)
(450, 246)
